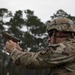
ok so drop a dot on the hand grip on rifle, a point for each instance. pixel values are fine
(10, 37)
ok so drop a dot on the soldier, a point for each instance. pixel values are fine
(59, 56)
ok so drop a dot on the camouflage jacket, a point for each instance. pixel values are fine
(59, 57)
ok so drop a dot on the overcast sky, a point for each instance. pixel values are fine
(43, 9)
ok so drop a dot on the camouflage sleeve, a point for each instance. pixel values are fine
(42, 59)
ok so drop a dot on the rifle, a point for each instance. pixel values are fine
(10, 37)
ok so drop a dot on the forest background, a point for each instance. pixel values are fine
(31, 31)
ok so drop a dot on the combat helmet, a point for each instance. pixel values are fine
(61, 24)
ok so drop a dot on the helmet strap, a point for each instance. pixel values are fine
(69, 36)
(55, 38)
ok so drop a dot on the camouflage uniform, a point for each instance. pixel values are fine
(59, 57)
